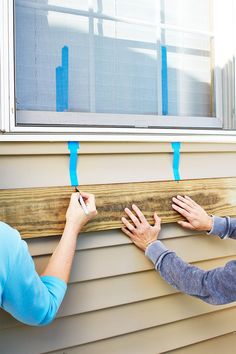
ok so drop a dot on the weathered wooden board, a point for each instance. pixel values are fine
(37, 212)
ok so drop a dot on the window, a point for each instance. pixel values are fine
(123, 63)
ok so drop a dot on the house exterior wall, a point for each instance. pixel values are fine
(116, 302)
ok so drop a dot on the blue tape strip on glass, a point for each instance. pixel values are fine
(59, 90)
(164, 76)
(176, 147)
(65, 77)
(73, 146)
(62, 82)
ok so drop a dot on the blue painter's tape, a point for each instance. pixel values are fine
(176, 145)
(65, 56)
(59, 89)
(73, 146)
(62, 82)
(65, 79)
(164, 75)
(176, 158)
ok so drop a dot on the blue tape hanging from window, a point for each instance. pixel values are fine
(62, 82)
(62, 105)
(73, 146)
(175, 145)
(176, 158)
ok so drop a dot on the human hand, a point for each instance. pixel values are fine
(196, 217)
(75, 216)
(141, 233)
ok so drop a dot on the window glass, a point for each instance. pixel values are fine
(194, 14)
(190, 89)
(40, 38)
(115, 56)
(125, 68)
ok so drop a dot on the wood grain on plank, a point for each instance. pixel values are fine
(37, 212)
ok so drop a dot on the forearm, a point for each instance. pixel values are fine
(216, 286)
(184, 277)
(60, 262)
(224, 227)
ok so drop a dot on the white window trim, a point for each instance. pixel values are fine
(8, 124)
(38, 118)
(196, 136)
(5, 66)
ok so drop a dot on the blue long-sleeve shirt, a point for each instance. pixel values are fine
(29, 298)
(216, 286)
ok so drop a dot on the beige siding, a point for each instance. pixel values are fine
(111, 166)
(219, 345)
(165, 338)
(101, 169)
(116, 302)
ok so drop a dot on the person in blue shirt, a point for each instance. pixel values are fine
(30, 298)
(216, 286)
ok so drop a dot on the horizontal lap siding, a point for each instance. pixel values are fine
(115, 299)
(52, 169)
(216, 345)
(97, 169)
(165, 338)
(98, 325)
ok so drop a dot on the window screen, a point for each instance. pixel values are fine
(143, 57)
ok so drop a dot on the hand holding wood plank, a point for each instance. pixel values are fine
(140, 232)
(143, 234)
(75, 214)
(196, 217)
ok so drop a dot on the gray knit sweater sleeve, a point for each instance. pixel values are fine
(216, 286)
(223, 227)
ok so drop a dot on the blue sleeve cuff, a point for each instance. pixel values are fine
(57, 288)
(58, 285)
(220, 226)
(156, 252)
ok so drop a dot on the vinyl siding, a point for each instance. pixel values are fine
(216, 345)
(116, 302)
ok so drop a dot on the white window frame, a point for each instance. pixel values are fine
(8, 112)
(6, 66)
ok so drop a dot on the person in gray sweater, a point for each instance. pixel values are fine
(216, 286)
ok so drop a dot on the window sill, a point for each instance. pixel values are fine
(118, 135)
